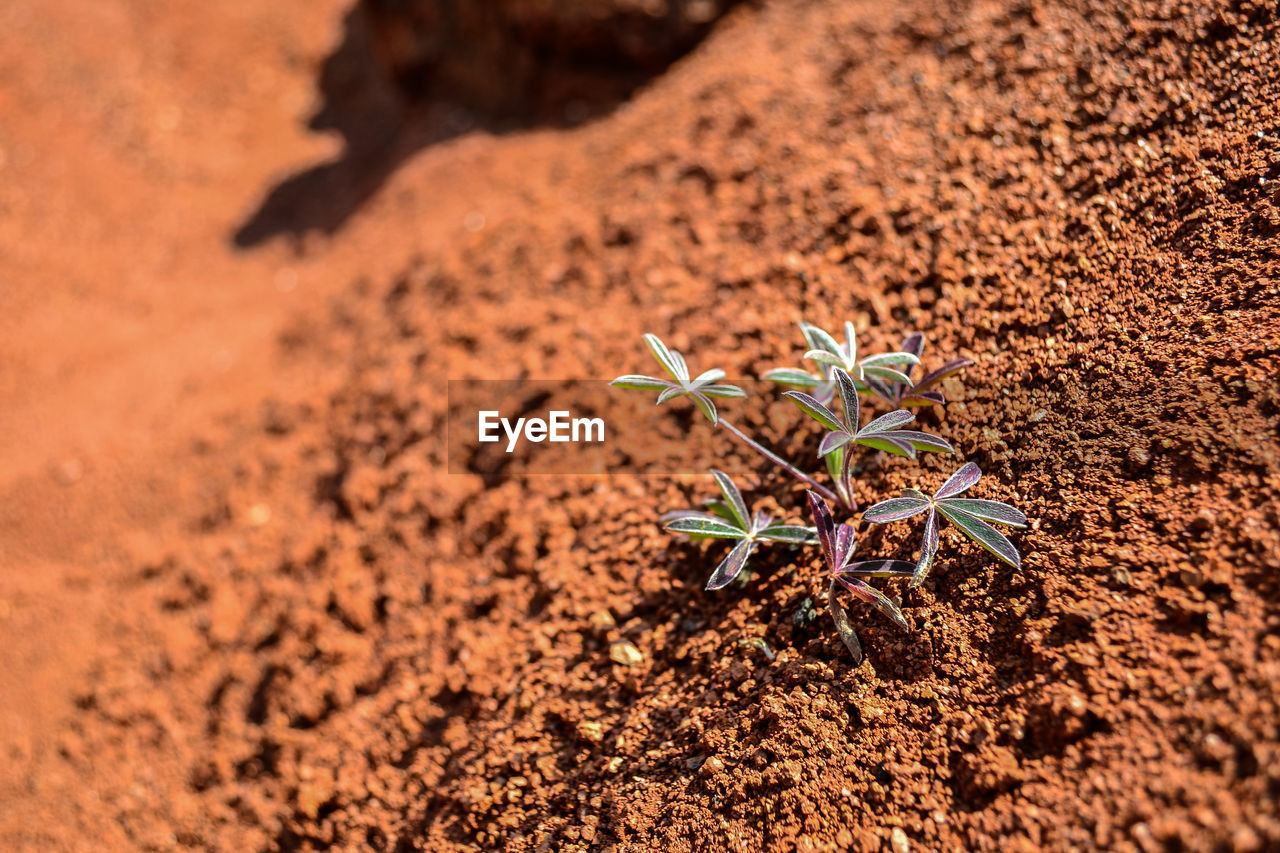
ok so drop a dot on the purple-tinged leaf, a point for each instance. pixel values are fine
(814, 409)
(732, 498)
(848, 398)
(924, 398)
(793, 533)
(794, 376)
(887, 374)
(913, 493)
(895, 509)
(821, 356)
(843, 626)
(731, 565)
(962, 479)
(705, 527)
(893, 420)
(928, 549)
(875, 598)
(715, 374)
(880, 569)
(640, 383)
(1001, 513)
(665, 358)
(885, 391)
(889, 359)
(825, 526)
(846, 536)
(886, 442)
(933, 377)
(923, 441)
(671, 393)
(984, 534)
(914, 344)
(833, 441)
(703, 402)
(721, 391)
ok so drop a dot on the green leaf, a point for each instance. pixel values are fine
(705, 527)
(893, 420)
(823, 341)
(722, 391)
(733, 498)
(640, 383)
(833, 441)
(671, 393)
(835, 462)
(821, 356)
(887, 444)
(793, 376)
(887, 374)
(984, 534)
(673, 365)
(715, 374)
(922, 441)
(795, 533)
(851, 341)
(1001, 513)
(814, 409)
(703, 402)
(889, 359)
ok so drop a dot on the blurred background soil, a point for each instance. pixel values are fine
(243, 246)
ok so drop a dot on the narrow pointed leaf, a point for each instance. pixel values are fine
(893, 420)
(880, 569)
(793, 376)
(823, 341)
(640, 383)
(821, 356)
(850, 341)
(848, 398)
(665, 357)
(933, 377)
(914, 344)
(913, 493)
(668, 517)
(682, 369)
(875, 598)
(888, 444)
(833, 441)
(705, 527)
(794, 533)
(845, 539)
(928, 549)
(814, 409)
(843, 626)
(731, 565)
(720, 509)
(962, 479)
(825, 527)
(923, 441)
(721, 391)
(889, 359)
(732, 498)
(984, 534)
(671, 393)
(715, 374)
(884, 390)
(1001, 513)
(887, 374)
(703, 402)
(895, 509)
(924, 398)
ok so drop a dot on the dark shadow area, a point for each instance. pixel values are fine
(411, 73)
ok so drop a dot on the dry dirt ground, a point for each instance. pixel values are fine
(244, 607)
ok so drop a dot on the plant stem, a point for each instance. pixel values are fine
(782, 463)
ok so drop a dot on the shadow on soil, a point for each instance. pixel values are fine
(411, 73)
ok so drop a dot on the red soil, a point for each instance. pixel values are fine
(244, 607)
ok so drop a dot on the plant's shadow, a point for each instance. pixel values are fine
(412, 73)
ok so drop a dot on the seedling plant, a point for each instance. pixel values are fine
(838, 380)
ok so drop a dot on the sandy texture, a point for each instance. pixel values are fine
(305, 634)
